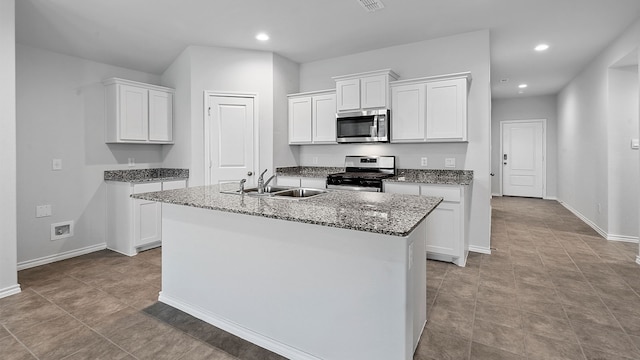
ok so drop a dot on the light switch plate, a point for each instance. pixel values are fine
(635, 144)
(43, 211)
(56, 164)
(450, 162)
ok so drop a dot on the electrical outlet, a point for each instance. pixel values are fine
(132, 161)
(635, 144)
(423, 161)
(450, 162)
(56, 164)
(43, 211)
(315, 159)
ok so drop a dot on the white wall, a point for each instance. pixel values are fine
(220, 70)
(623, 162)
(8, 236)
(285, 81)
(525, 108)
(583, 126)
(465, 52)
(60, 114)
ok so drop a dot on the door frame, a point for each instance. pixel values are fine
(544, 151)
(207, 127)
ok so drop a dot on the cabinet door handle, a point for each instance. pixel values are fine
(250, 173)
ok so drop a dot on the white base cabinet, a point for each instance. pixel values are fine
(447, 237)
(134, 224)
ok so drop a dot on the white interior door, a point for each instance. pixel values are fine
(523, 158)
(230, 139)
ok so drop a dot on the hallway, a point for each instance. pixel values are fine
(551, 289)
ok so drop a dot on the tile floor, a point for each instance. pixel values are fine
(552, 289)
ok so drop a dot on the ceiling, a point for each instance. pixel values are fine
(148, 35)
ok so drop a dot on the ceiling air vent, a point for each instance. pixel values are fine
(371, 5)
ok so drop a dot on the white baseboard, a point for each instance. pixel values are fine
(638, 259)
(11, 290)
(550, 198)
(623, 238)
(235, 329)
(61, 256)
(480, 249)
(496, 195)
(585, 219)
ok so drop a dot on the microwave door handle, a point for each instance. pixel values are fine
(374, 128)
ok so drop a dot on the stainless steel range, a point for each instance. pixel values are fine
(363, 173)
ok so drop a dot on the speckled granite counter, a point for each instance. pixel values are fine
(446, 177)
(391, 214)
(146, 175)
(308, 171)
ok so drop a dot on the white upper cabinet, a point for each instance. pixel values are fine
(160, 116)
(323, 118)
(447, 110)
(138, 113)
(300, 120)
(348, 95)
(408, 118)
(363, 91)
(432, 109)
(312, 118)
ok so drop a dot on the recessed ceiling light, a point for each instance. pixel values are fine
(541, 47)
(522, 86)
(262, 37)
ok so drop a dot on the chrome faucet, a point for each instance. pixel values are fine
(263, 184)
(242, 185)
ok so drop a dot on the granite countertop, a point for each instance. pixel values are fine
(390, 214)
(146, 175)
(308, 171)
(444, 177)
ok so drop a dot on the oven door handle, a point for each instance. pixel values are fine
(353, 188)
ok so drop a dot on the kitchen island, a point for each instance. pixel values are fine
(338, 276)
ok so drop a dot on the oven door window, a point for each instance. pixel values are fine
(361, 126)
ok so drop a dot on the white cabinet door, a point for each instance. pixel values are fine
(447, 110)
(324, 119)
(348, 94)
(147, 216)
(133, 114)
(408, 103)
(373, 91)
(401, 188)
(147, 222)
(300, 120)
(160, 116)
(314, 183)
(444, 235)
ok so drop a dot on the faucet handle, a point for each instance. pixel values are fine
(262, 174)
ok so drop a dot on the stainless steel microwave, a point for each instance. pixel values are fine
(363, 126)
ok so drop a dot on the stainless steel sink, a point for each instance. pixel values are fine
(268, 190)
(280, 192)
(299, 193)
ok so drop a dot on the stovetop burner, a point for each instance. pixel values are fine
(363, 173)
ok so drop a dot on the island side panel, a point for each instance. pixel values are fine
(304, 291)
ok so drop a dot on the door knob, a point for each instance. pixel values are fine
(504, 163)
(250, 173)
